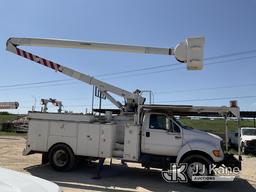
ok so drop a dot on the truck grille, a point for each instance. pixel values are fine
(252, 143)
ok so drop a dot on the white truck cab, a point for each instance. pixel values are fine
(165, 135)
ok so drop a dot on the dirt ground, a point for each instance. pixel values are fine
(116, 177)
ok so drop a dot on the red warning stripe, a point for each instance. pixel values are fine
(38, 59)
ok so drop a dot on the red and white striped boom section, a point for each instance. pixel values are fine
(38, 59)
(102, 86)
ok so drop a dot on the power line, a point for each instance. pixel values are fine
(231, 54)
(41, 86)
(62, 99)
(175, 64)
(181, 67)
(170, 101)
(137, 70)
(143, 69)
(210, 99)
(229, 60)
(16, 86)
(35, 83)
(206, 89)
(66, 106)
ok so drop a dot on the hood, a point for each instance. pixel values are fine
(248, 137)
(13, 181)
(202, 135)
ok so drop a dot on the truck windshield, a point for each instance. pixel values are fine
(181, 124)
(249, 131)
(178, 122)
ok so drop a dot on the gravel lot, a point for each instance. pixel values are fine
(116, 177)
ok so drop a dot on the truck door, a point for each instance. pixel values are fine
(161, 136)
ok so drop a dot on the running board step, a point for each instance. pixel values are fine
(118, 153)
(119, 146)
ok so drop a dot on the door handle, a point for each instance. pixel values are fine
(177, 137)
(147, 134)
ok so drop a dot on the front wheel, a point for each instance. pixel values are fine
(230, 144)
(243, 149)
(197, 166)
(62, 158)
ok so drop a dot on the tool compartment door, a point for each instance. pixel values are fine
(37, 134)
(88, 139)
(132, 142)
(107, 140)
(63, 128)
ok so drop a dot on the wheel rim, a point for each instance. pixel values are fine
(60, 158)
(197, 166)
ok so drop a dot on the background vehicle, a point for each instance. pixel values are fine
(247, 140)
(13, 181)
(136, 132)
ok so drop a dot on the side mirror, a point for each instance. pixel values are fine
(152, 127)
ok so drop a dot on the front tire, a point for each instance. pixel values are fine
(62, 158)
(200, 165)
(243, 149)
(230, 144)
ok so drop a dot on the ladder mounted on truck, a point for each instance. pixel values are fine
(55, 102)
(190, 51)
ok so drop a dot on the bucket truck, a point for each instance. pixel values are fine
(143, 133)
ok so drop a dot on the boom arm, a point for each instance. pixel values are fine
(89, 45)
(189, 51)
(102, 86)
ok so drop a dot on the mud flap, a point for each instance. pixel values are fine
(230, 161)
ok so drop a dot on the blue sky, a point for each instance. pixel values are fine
(228, 27)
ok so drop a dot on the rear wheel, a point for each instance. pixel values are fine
(62, 158)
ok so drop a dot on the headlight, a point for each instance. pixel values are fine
(247, 142)
(216, 153)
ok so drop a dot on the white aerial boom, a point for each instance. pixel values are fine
(190, 51)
